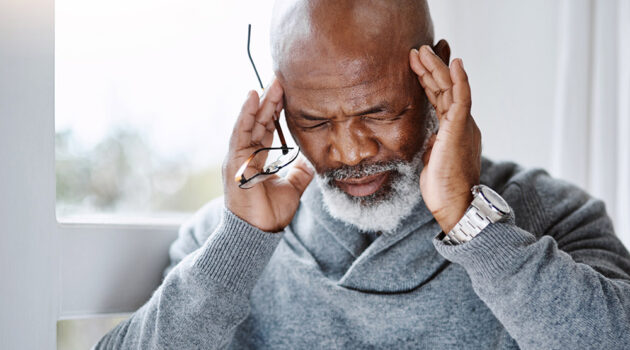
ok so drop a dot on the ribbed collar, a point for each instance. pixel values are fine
(394, 262)
(349, 236)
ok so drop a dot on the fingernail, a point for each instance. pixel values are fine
(461, 62)
(415, 51)
(429, 49)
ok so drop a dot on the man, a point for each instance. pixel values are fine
(388, 247)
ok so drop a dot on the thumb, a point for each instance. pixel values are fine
(427, 153)
(300, 175)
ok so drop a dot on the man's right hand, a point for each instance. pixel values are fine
(269, 205)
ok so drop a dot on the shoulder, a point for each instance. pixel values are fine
(547, 206)
(540, 201)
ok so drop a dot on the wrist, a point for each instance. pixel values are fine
(260, 219)
(486, 207)
(448, 217)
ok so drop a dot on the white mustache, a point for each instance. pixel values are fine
(361, 170)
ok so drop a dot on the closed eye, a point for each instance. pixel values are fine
(314, 126)
(385, 116)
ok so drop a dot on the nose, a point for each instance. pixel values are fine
(350, 143)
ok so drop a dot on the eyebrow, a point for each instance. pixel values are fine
(379, 108)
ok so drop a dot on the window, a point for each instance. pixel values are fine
(82, 333)
(146, 96)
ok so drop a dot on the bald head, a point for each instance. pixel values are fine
(313, 39)
(350, 95)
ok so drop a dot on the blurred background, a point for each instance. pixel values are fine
(146, 93)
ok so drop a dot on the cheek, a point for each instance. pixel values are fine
(404, 139)
(392, 137)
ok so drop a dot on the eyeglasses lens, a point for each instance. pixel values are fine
(273, 161)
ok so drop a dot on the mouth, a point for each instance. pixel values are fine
(363, 186)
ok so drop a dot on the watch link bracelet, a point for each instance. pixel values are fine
(486, 207)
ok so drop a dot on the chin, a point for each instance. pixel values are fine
(382, 210)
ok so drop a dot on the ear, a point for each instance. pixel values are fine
(443, 50)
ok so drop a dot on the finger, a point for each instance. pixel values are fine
(439, 71)
(280, 105)
(300, 175)
(265, 115)
(439, 98)
(261, 132)
(241, 133)
(461, 87)
(441, 74)
(267, 138)
(444, 103)
(420, 70)
(424, 75)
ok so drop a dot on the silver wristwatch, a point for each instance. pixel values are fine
(487, 207)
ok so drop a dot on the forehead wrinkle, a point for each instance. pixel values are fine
(385, 77)
(360, 72)
(349, 105)
(333, 72)
(349, 85)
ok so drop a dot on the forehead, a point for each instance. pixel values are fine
(348, 84)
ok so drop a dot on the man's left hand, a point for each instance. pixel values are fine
(452, 162)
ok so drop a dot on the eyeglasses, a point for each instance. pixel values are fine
(270, 159)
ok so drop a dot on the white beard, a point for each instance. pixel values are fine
(384, 210)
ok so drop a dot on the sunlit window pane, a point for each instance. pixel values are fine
(146, 93)
(83, 333)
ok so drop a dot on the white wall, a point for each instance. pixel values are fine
(508, 49)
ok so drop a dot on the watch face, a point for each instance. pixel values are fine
(496, 200)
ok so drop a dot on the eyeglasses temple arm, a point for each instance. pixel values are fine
(276, 122)
(249, 35)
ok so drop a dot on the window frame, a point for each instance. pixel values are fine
(54, 270)
(93, 283)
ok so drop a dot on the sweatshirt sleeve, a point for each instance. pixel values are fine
(567, 287)
(205, 296)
